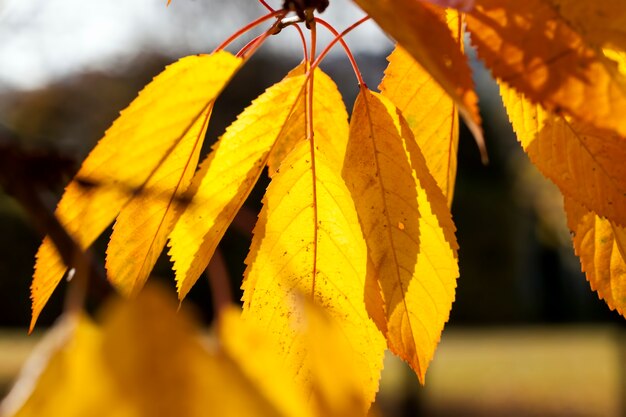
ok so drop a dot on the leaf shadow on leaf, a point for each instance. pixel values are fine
(552, 53)
(582, 162)
(211, 239)
(373, 171)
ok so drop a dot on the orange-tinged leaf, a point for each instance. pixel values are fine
(229, 173)
(586, 163)
(530, 46)
(603, 23)
(601, 246)
(407, 227)
(128, 156)
(308, 243)
(141, 229)
(422, 31)
(463, 5)
(430, 113)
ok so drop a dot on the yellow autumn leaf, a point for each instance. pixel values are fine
(158, 363)
(586, 163)
(228, 174)
(335, 377)
(422, 31)
(65, 376)
(141, 229)
(530, 46)
(258, 357)
(430, 113)
(146, 359)
(407, 228)
(601, 246)
(295, 129)
(170, 110)
(308, 243)
(335, 386)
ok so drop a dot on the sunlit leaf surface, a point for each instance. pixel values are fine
(531, 47)
(167, 112)
(407, 227)
(308, 243)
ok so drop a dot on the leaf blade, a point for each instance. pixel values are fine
(423, 32)
(127, 156)
(602, 22)
(531, 47)
(583, 161)
(127, 366)
(430, 113)
(601, 246)
(227, 176)
(407, 228)
(141, 229)
(308, 243)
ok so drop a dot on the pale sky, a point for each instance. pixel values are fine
(42, 40)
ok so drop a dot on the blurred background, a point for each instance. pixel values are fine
(527, 336)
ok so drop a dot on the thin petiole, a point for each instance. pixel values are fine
(249, 45)
(297, 27)
(332, 43)
(311, 138)
(278, 13)
(304, 44)
(267, 6)
(357, 71)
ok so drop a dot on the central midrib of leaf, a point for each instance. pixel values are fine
(381, 187)
(311, 137)
(206, 112)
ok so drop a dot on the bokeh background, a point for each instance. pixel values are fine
(527, 336)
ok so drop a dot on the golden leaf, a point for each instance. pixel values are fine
(139, 141)
(336, 389)
(259, 358)
(463, 5)
(141, 229)
(430, 113)
(601, 246)
(335, 376)
(530, 46)
(145, 360)
(422, 31)
(407, 228)
(603, 23)
(583, 161)
(295, 129)
(229, 173)
(307, 243)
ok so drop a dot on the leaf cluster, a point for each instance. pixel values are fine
(356, 218)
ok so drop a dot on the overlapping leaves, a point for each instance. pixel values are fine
(356, 218)
(153, 144)
(585, 163)
(145, 359)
